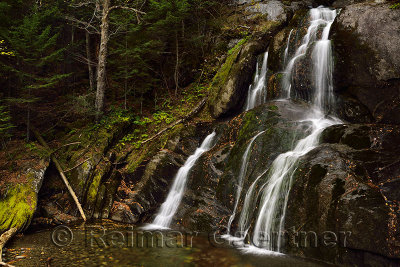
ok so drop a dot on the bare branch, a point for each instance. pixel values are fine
(136, 11)
(83, 4)
(83, 25)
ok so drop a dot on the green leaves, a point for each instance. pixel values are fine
(395, 6)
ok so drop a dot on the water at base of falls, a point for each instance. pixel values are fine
(171, 204)
(272, 195)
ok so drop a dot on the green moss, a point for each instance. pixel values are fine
(17, 207)
(268, 26)
(94, 186)
(221, 77)
(273, 107)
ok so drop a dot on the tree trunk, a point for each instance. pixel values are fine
(176, 74)
(89, 61)
(101, 69)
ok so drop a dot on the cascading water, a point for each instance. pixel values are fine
(242, 173)
(275, 191)
(257, 94)
(286, 53)
(319, 17)
(171, 204)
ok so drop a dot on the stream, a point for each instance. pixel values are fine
(103, 245)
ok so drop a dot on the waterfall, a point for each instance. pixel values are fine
(273, 194)
(257, 91)
(242, 173)
(286, 53)
(319, 17)
(171, 204)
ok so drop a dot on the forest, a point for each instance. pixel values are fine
(71, 60)
(199, 132)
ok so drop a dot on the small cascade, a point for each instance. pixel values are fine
(270, 190)
(286, 53)
(242, 173)
(171, 204)
(319, 17)
(257, 91)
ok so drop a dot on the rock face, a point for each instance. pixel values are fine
(210, 196)
(347, 186)
(142, 192)
(19, 192)
(365, 38)
(273, 10)
(230, 85)
(211, 187)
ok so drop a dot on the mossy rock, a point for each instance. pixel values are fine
(229, 87)
(17, 207)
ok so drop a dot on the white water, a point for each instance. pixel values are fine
(287, 48)
(242, 173)
(319, 17)
(171, 204)
(257, 91)
(274, 192)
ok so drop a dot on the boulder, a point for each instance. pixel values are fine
(230, 85)
(367, 58)
(272, 10)
(347, 187)
(19, 189)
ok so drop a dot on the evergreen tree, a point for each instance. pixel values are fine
(34, 44)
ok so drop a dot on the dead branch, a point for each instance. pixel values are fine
(83, 4)
(3, 240)
(6, 264)
(60, 170)
(76, 166)
(136, 11)
(196, 110)
(83, 25)
(70, 144)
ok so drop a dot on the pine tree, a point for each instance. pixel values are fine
(34, 44)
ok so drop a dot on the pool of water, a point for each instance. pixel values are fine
(110, 244)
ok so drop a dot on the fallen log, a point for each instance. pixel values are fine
(60, 170)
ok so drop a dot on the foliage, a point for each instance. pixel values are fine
(4, 51)
(395, 5)
(34, 43)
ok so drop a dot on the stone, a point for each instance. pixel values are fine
(348, 184)
(273, 10)
(367, 58)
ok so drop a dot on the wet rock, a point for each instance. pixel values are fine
(211, 189)
(348, 184)
(144, 190)
(351, 110)
(276, 60)
(368, 57)
(229, 87)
